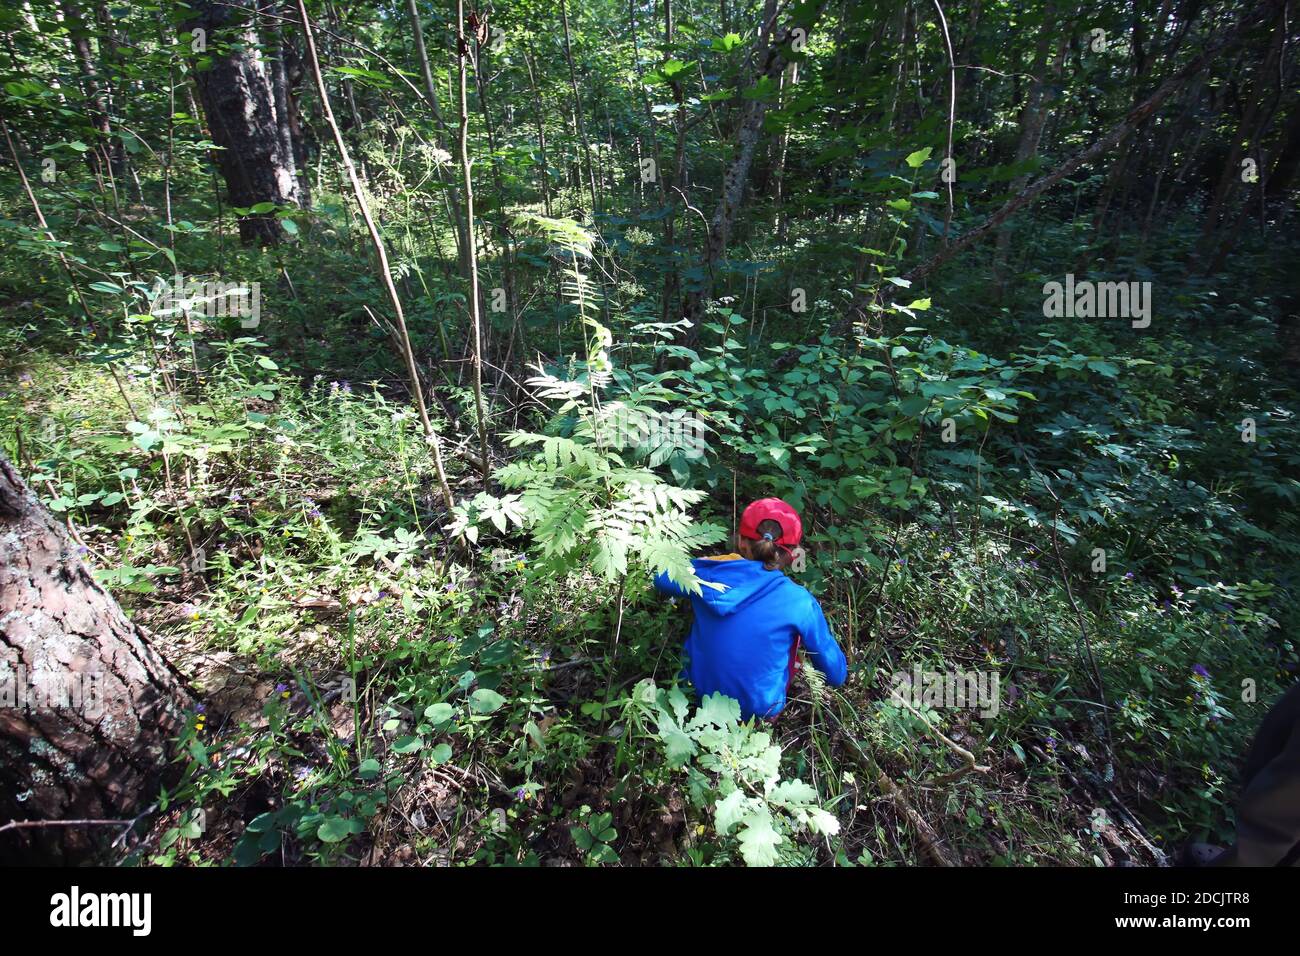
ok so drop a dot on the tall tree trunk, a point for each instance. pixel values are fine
(95, 96)
(1033, 116)
(1258, 113)
(671, 294)
(462, 53)
(443, 138)
(579, 126)
(502, 224)
(239, 104)
(771, 60)
(789, 77)
(1178, 130)
(280, 96)
(673, 186)
(1231, 230)
(1288, 160)
(1143, 59)
(539, 119)
(91, 742)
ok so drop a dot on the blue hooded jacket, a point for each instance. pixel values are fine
(742, 641)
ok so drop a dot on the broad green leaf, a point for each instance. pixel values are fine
(759, 840)
(792, 793)
(729, 811)
(915, 160)
(719, 710)
(406, 745)
(333, 829)
(820, 821)
(439, 714)
(484, 701)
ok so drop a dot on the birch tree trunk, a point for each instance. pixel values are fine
(286, 123)
(771, 61)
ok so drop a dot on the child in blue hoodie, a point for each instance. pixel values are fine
(750, 619)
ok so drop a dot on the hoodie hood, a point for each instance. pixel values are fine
(739, 581)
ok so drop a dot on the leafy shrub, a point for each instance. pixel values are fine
(732, 771)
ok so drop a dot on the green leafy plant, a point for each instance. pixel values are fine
(733, 772)
(593, 835)
(582, 499)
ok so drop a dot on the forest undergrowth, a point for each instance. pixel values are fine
(539, 311)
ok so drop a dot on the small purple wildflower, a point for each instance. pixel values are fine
(1200, 671)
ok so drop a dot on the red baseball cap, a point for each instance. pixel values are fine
(772, 509)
